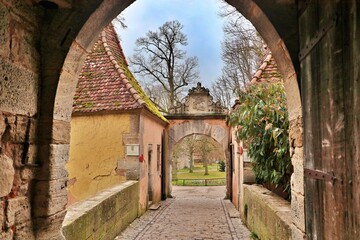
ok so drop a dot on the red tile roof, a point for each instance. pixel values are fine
(105, 82)
(268, 71)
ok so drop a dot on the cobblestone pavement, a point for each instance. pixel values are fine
(196, 213)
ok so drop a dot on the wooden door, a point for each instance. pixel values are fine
(330, 79)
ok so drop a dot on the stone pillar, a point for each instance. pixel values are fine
(297, 180)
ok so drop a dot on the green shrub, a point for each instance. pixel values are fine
(221, 166)
(254, 236)
(262, 122)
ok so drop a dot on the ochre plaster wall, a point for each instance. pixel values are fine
(96, 145)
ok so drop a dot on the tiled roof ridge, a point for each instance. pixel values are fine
(122, 75)
(262, 67)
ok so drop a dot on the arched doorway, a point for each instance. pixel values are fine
(69, 37)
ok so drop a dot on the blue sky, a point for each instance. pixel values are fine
(202, 25)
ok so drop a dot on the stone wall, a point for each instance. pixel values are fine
(266, 214)
(19, 90)
(103, 216)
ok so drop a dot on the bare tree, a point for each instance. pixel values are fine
(159, 56)
(120, 21)
(188, 147)
(241, 52)
(206, 147)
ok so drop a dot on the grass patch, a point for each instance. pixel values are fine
(200, 182)
(198, 177)
(199, 167)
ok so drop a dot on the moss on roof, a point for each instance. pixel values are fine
(134, 83)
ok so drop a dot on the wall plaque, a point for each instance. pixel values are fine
(132, 149)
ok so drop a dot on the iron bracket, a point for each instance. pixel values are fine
(317, 37)
(317, 174)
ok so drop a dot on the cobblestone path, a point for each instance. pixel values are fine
(196, 213)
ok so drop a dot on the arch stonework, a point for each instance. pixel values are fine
(215, 128)
(68, 34)
(199, 115)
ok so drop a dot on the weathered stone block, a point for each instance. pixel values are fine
(59, 154)
(18, 211)
(248, 173)
(27, 173)
(103, 216)
(61, 132)
(20, 38)
(8, 235)
(16, 152)
(297, 234)
(298, 210)
(2, 125)
(64, 96)
(56, 156)
(21, 128)
(16, 81)
(25, 10)
(6, 175)
(266, 214)
(50, 197)
(2, 216)
(49, 228)
(296, 132)
(24, 189)
(75, 59)
(4, 31)
(24, 231)
(297, 178)
(23, 45)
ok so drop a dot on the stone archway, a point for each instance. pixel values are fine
(69, 36)
(215, 128)
(200, 115)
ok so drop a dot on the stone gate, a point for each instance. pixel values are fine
(199, 115)
(44, 43)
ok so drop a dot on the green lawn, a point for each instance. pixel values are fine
(200, 168)
(200, 175)
(216, 178)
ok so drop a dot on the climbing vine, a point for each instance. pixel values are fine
(261, 121)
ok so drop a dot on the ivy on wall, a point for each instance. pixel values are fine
(261, 121)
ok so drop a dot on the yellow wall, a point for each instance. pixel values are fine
(95, 147)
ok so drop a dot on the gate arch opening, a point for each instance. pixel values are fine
(181, 152)
(70, 37)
